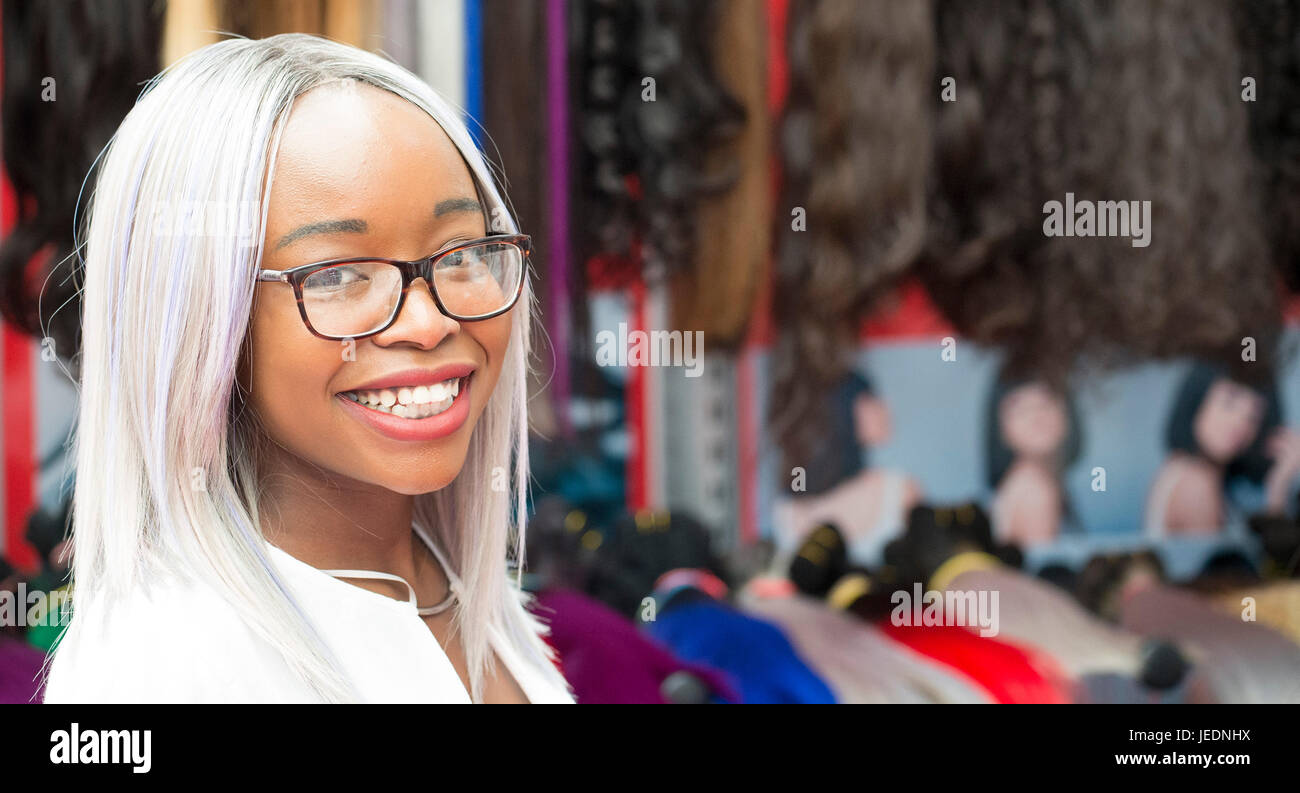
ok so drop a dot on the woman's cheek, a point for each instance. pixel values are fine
(493, 335)
(290, 374)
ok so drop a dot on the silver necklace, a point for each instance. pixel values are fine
(424, 611)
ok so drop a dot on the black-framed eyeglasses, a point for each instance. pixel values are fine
(354, 298)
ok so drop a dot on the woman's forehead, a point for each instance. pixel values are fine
(346, 144)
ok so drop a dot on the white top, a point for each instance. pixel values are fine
(184, 643)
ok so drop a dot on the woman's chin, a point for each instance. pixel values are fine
(418, 485)
(410, 479)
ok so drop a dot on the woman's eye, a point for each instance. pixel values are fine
(337, 278)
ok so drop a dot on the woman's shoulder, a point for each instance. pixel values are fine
(172, 642)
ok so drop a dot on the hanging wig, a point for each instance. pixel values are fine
(854, 142)
(515, 88)
(72, 70)
(1270, 47)
(646, 145)
(992, 146)
(732, 242)
(1109, 101)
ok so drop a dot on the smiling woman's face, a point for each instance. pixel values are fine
(362, 172)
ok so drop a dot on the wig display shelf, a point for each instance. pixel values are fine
(1183, 558)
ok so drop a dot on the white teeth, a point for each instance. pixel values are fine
(412, 402)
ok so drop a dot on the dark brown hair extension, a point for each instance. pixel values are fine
(604, 191)
(989, 159)
(855, 148)
(1179, 137)
(732, 235)
(1109, 101)
(1270, 48)
(99, 55)
(515, 137)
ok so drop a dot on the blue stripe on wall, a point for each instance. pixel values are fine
(474, 68)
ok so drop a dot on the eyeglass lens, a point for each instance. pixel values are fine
(361, 297)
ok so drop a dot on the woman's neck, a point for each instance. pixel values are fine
(333, 523)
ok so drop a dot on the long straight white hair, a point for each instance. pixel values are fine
(166, 316)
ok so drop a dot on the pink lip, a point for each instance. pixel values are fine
(414, 377)
(426, 429)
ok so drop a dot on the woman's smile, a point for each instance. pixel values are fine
(413, 405)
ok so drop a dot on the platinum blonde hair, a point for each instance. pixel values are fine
(165, 318)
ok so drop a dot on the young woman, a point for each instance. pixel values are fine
(1033, 436)
(1220, 429)
(301, 452)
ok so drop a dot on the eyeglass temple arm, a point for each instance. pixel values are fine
(272, 275)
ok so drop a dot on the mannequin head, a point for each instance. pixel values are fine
(1029, 420)
(1223, 420)
(853, 419)
(1034, 421)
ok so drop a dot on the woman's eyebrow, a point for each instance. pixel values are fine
(457, 205)
(353, 226)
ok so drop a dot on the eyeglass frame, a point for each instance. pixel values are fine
(294, 276)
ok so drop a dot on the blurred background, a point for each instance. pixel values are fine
(810, 341)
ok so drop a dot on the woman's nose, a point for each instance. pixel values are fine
(420, 321)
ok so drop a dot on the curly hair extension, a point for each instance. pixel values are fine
(855, 146)
(691, 117)
(647, 163)
(1270, 39)
(606, 189)
(1110, 101)
(97, 55)
(1181, 140)
(990, 155)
